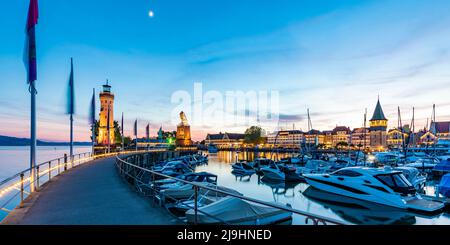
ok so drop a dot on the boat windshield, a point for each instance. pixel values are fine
(397, 182)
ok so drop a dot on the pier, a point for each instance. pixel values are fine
(91, 193)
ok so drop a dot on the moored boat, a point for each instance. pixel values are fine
(234, 211)
(379, 185)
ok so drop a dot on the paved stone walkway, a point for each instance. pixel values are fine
(91, 194)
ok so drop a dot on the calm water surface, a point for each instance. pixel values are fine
(363, 213)
(14, 159)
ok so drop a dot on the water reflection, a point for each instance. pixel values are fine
(357, 211)
(301, 197)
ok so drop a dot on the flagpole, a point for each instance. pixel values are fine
(92, 118)
(71, 139)
(109, 133)
(33, 137)
(123, 145)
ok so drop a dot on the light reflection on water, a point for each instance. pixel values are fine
(359, 213)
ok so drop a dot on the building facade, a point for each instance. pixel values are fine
(378, 127)
(360, 138)
(225, 140)
(106, 112)
(286, 138)
(340, 135)
(395, 138)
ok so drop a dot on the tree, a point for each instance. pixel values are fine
(117, 133)
(341, 145)
(254, 135)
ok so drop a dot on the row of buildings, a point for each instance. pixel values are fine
(375, 137)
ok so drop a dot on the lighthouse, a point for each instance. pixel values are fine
(106, 107)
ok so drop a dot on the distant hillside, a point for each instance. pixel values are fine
(13, 141)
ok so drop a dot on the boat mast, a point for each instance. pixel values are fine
(400, 126)
(433, 122)
(364, 135)
(412, 136)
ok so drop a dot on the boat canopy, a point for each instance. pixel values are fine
(232, 210)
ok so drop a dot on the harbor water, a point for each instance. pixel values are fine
(14, 159)
(311, 200)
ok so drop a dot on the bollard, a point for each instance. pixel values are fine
(21, 190)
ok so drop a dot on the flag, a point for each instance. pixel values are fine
(92, 109)
(71, 92)
(30, 42)
(147, 131)
(135, 128)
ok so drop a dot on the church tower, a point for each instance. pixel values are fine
(106, 105)
(378, 127)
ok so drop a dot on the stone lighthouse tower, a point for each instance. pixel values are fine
(378, 126)
(106, 106)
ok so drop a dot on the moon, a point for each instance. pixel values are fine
(151, 14)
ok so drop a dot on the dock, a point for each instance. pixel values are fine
(89, 194)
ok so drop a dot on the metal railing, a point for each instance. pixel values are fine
(15, 189)
(130, 170)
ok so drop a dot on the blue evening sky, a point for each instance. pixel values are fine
(334, 57)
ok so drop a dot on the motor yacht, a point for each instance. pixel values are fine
(173, 169)
(414, 176)
(444, 185)
(280, 172)
(259, 163)
(379, 185)
(314, 166)
(191, 177)
(442, 167)
(243, 168)
(425, 164)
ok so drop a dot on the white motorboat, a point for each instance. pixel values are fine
(243, 168)
(281, 173)
(259, 163)
(414, 176)
(314, 166)
(426, 164)
(357, 211)
(234, 211)
(191, 177)
(181, 191)
(379, 185)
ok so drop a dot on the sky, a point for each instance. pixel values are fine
(334, 57)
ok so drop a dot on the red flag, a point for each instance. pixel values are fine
(30, 44)
(33, 14)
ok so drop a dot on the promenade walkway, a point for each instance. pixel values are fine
(90, 194)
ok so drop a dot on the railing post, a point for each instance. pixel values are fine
(49, 170)
(195, 204)
(65, 162)
(37, 178)
(59, 166)
(21, 190)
